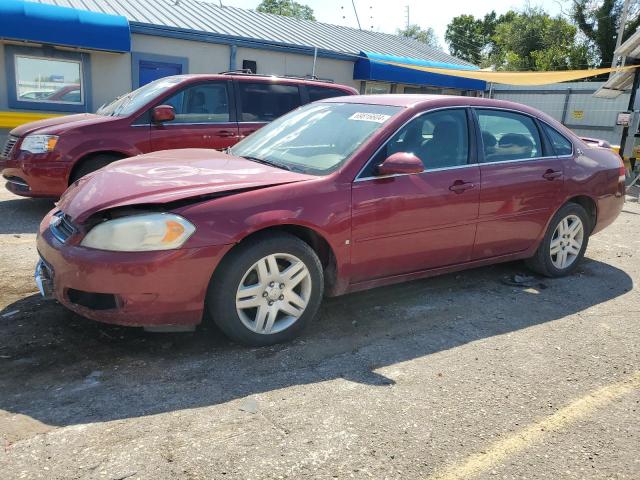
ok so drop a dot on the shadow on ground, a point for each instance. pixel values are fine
(61, 369)
(23, 215)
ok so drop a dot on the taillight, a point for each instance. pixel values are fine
(622, 171)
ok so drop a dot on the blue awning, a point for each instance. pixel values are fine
(373, 66)
(51, 24)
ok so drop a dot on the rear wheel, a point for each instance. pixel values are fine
(91, 165)
(564, 244)
(267, 290)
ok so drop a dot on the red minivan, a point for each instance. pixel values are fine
(41, 159)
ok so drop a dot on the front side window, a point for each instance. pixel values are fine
(440, 139)
(48, 80)
(202, 103)
(561, 145)
(264, 102)
(317, 138)
(508, 136)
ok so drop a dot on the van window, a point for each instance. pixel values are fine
(318, 93)
(264, 102)
(508, 136)
(201, 103)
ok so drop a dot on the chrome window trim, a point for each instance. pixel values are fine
(366, 164)
(182, 124)
(441, 169)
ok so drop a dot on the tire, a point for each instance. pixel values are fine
(247, 316)
(91, 165)
(551, 265)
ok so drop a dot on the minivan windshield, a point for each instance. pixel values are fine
(129, 103)
(317, 138)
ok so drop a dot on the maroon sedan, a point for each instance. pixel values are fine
(340, 195)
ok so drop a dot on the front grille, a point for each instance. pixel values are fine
(8, 146)
(63, 227)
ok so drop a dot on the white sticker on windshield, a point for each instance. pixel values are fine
(370, 117)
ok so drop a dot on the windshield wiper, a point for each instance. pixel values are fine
(268, 162)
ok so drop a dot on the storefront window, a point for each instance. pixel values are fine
(48, 80)
(373, 88)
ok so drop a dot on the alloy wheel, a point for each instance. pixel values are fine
(566, 242)
(273, 293)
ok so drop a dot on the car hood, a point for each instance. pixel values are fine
(168, 176)
(56, 125)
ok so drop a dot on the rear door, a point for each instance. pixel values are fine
(262, 102)
(205, 118)
(521, 184)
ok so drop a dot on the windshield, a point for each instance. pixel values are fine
(317, 138)
(129, 103)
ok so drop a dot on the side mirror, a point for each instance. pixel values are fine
(401, 163)
(163, 113)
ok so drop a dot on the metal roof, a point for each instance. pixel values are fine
(199, 16)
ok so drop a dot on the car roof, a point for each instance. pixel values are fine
(420, 101)
(189, 77)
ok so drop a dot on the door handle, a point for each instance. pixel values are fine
(459, 186)
(551, 174)
(225, 133)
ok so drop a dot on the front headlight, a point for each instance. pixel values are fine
(39, 143)
(139, 233)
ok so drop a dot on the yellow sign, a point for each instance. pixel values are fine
(578, 114)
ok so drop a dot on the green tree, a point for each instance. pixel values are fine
(599, 22)
(533, 40)
(466, 38)
(287, 8)
(424, 35)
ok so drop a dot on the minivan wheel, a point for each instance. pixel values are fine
(266, 290)
(91, 165)
(564, 244)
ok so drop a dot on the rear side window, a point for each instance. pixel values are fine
(561, 145)
(318, 93)
(202, 103)
(508, 136)
(264, 102)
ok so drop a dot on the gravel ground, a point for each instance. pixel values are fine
(460, 376)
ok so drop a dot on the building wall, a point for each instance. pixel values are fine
(202, 57)
(110, 76)
(278, 63)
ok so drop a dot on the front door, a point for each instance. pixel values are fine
(521, 183)
(409, 223)
(204, 119)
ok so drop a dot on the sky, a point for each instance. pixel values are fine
(389, 15)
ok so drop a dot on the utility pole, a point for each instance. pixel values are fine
(406, 8)
(356, 12)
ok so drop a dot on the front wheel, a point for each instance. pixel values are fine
(564, 244)
(266, 290)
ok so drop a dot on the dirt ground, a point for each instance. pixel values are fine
(460, 376)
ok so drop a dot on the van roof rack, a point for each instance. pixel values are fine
(247, 71)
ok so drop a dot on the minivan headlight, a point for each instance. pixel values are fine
(39, 143)
(139, 233)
